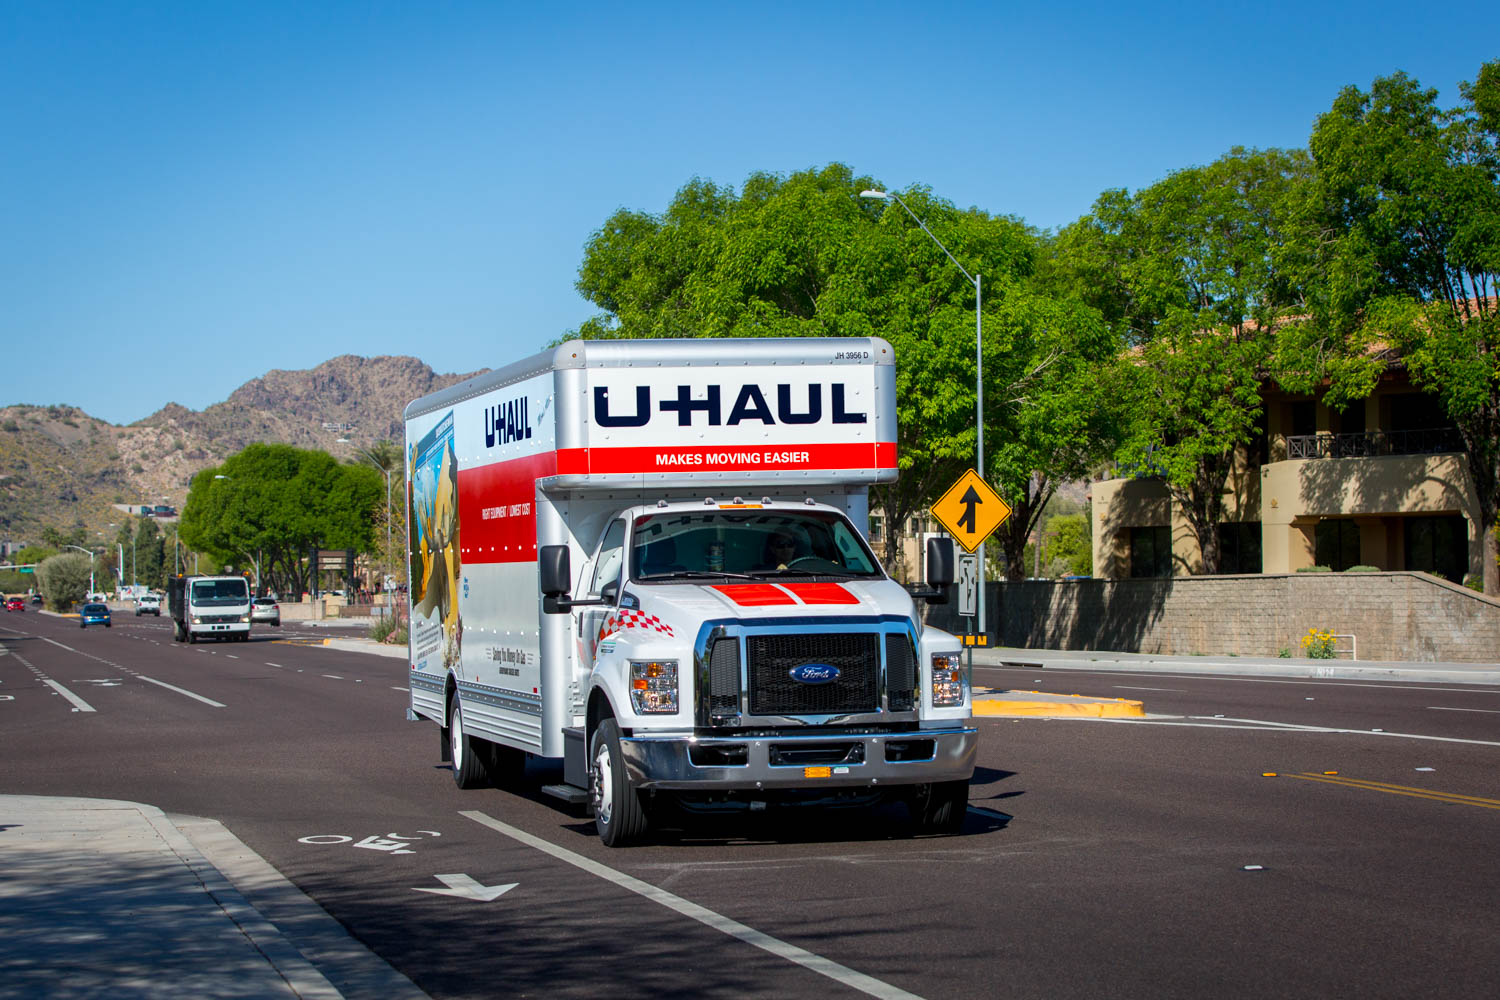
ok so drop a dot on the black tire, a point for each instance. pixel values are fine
(940, 807)
(505, 765)
(619, 816)
(467, 753)
(192, 637)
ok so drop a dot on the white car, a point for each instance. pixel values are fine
(265, 609)
(148, 605)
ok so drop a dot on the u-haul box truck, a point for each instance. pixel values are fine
(648, 558)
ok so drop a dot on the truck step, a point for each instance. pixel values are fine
(571, 794)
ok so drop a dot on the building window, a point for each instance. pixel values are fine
(1150, 552)
(1239, 547)
(1336, 543)
(1438, 545)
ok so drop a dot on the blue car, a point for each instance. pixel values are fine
(93, 614)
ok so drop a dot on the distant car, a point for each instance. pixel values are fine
(36, 598)
(93, 614)
(148, 605)
(15, 604)
(265, 609)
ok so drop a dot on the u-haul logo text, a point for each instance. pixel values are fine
(506, 422)
(749, 404)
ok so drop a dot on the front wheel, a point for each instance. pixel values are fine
(468, 763)
(940, 807)
(618, 813)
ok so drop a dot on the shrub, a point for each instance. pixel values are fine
(1285, 653)
(388, 630)
(1474, 582)
(1316, 569)
(1363, 569)
(1318, 644)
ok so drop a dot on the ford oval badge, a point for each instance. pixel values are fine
(814, 673)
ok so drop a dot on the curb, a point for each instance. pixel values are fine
(1038, 703)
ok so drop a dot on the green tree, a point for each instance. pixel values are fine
(1412, 195)
(14, 581)
(1195, 272)
(804, 255)
(274, 505)
(148, 554)
(389, 540)
(64, 579)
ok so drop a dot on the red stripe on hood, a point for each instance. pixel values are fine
(755, 595)
(821, 593)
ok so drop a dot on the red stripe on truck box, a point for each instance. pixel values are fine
(722, 458)
(497, 509)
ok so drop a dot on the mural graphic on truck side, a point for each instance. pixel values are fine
(435, 564)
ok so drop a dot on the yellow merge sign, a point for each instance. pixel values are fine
(970, 510)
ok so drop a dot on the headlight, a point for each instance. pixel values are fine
(244, 618)
(948, 682)
(653, 686)
(197, 620)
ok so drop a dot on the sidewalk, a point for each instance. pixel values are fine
(1260, 666)
(105, 898)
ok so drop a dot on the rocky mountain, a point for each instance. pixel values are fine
(62, 468)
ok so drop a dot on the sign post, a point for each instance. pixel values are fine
(971, 511)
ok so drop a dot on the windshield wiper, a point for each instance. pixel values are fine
(696, 574)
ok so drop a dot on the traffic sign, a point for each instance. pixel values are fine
(970, 510)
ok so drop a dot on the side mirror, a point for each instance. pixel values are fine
(555, 571)
(939, 562)
(556, 577)
(939, 571)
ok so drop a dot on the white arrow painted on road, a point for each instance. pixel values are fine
(465, 887)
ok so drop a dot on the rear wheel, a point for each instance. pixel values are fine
(506, 765)
(618, 813)
(468, 762)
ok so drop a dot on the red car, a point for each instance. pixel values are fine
(15, 604)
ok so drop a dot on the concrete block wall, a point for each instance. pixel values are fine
(1393, 616)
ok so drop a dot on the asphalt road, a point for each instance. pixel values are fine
(1145, 858)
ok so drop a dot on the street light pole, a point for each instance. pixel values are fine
(974, 280)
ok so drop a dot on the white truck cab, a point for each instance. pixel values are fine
(648, 558)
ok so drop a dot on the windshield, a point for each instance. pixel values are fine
(754, 543)
(95, 609)
(219, 593)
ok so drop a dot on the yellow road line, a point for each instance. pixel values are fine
(1452, 798)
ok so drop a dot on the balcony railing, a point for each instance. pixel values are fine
(1430, 441)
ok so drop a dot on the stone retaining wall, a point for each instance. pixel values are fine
(1393, 616)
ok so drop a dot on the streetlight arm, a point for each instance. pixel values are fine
(915, 218)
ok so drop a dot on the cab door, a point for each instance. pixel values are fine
(608, 567)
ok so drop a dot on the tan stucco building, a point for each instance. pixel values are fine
(1383, 484)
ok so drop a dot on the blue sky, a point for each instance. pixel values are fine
(194, 194)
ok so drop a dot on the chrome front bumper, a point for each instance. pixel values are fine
(914, 757)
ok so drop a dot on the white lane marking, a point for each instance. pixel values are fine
(1126, 687)
(333, 677)
(467, 887)
(270, 664)
(1445, 708)
(182, 691)
(78, 703)
(58, 644)
(1204, 722)
(408, 690)
(816, 963)
(231, 656)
